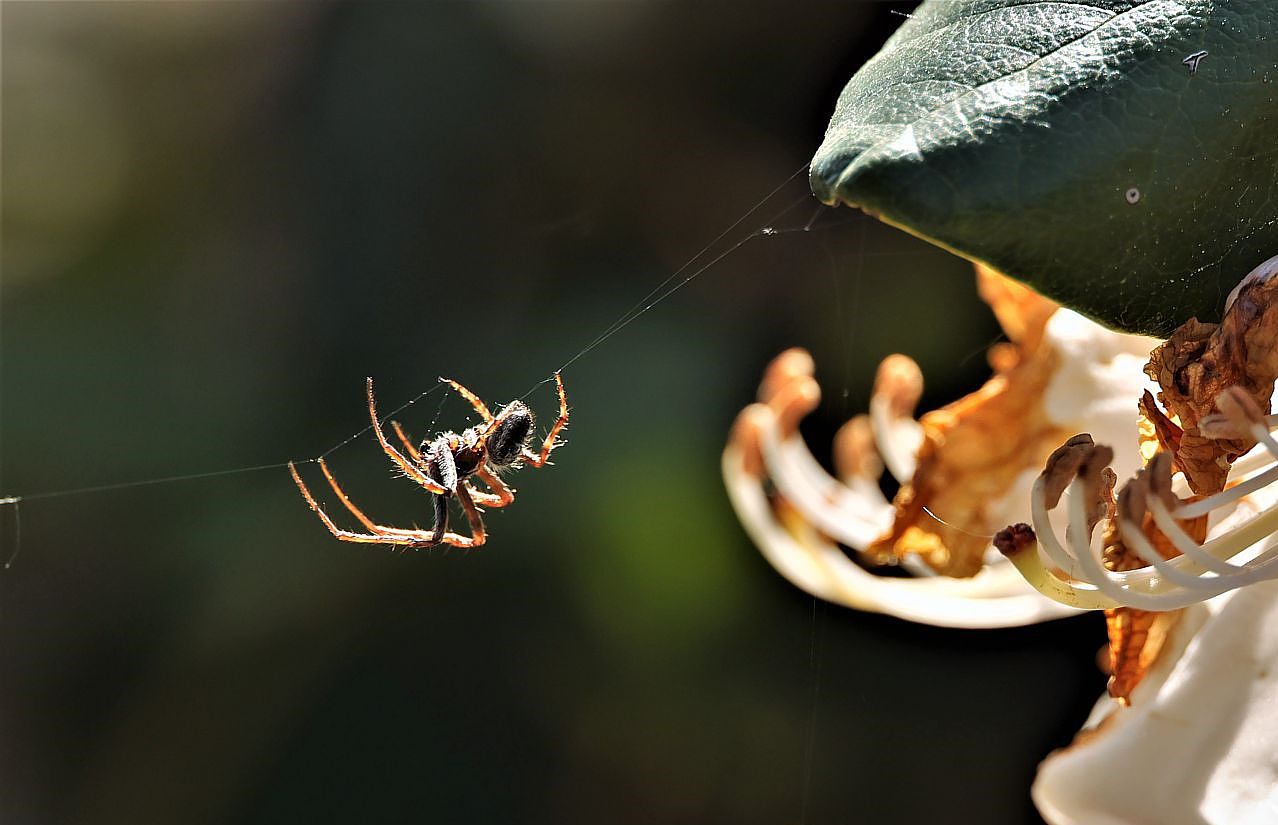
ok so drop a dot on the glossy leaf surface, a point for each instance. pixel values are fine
(1121, 157)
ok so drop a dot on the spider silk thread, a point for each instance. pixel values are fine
(655, 296)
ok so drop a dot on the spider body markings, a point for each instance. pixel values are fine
(445, 466)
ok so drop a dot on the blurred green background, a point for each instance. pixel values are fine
(219, 217)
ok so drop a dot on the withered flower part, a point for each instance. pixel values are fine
(1240, 552)
(1195, 746)
(799, 515)
(1200, 361)
(1210, 439)
(965, 470)
(1184, 559)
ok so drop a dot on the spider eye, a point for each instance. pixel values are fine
(509, 436)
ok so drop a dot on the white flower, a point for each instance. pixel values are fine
(1064, 373)
(1199, 743)
(1191, 735)
(1240, 517)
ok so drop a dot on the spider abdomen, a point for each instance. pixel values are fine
(510, 434)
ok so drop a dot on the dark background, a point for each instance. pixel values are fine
(218, 218)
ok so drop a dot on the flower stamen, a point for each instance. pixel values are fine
(795, 511)
(898, 386)
(1201, 571)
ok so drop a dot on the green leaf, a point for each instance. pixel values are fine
(1069, 145)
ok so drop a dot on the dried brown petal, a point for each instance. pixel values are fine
(1104, 497)
(1164, 432)
(1021, 312)
(1200, 361)
(1136, 637)
(974, 449)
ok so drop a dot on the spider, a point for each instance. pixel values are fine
(445, 465)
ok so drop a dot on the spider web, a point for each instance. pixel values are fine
(725, 244)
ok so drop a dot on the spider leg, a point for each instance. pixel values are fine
(482, 498)
(407, 466)
(540, 459)
(478, 535)
(379, 534)
(372, 526)
(499, 494)
(441, 519)
(406, 441)
(416, 538)
(480, 406)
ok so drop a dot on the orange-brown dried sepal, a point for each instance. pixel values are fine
(1021, 312)
(1157, 431)
(1200, 361)
(1136, 637)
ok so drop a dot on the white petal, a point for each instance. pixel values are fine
(997, 597)
(1095, 388)
(1199, 745)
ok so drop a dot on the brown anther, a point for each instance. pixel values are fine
(1098, 483)
(1105, 502)
(1013, 539)
(1062, 466)
(1158, 474)
(900, 380)
(1093, 466)
(1133, 499)
(855, 453)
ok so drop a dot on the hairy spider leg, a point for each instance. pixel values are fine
(480, 406)
(413, 453)
(410, 469)
(381, 534)
(478, 534)
(404, 538)
(356, 512)
(500, 496)
(539, 459)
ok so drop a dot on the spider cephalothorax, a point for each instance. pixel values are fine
(444, 466)
(499, 443)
